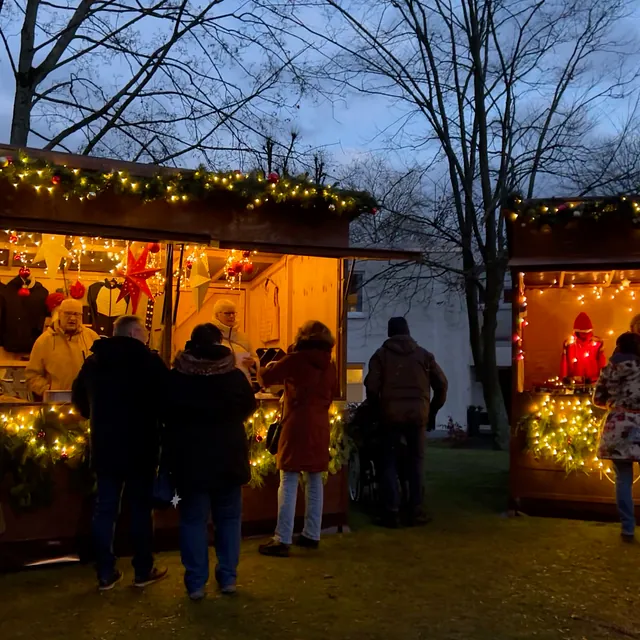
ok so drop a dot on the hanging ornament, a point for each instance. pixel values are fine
(189, 264)
(41, 434)
(247, 268)
(24, 291)
(258, 438)
(77, 290)
(154, 247)
(56, 179)
(24, 272)
(246, 254)
(135, 278)
(64, 456)
(52, 249)
(6, 160)
(273, 177)
(13, 238)
(237, 264)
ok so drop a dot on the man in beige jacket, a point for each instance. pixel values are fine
(58, 354)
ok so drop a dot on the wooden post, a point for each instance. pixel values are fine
(167, 316)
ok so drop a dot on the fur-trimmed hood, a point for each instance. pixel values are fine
(218, 360)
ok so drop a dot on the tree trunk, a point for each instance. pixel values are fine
(21, 121)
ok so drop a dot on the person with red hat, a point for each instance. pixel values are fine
(583, 353)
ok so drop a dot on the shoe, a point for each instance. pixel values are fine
(274, 549)
(108, 584)
(154, 576)
(197, 596)
(229, 590)
(628, 538)
(306, 543)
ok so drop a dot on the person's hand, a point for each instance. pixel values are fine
(248, 362)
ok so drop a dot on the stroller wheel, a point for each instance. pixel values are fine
(355, 480)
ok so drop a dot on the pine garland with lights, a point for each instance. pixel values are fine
(565, 430)
(33, 440)
(233, 188)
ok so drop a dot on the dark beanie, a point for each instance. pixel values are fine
(398, 327)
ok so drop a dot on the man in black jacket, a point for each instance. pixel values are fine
(120, 388)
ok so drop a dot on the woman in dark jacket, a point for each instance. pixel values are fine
(310, 378)
(207, 450)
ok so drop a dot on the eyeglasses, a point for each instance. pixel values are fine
(71, 314)
(230, 313)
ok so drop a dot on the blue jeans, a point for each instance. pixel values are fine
(225, 507)
(624, 495)
(107, 508)
(287, 496)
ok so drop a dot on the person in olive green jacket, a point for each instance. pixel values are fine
(399, 382)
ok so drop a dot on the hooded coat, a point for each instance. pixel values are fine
(56, 358)
(618, 390)
(400, 379)
(209, 400)
(121, 388)
(583, 353)
(310, 381)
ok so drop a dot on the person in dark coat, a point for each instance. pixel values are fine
(310, 381)
(399, 381)
(120, 388)
(209, 402)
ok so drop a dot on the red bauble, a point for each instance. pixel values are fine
(246, 254)
(56, 179)
(237, 268)
(154, 247)
(258, 438)
(41, 434)
(374, 210)
(247, 268)
(189, 264)
(24, 272)
(54, 300)
(231, 273)
(273, 177)
(24, 291)
(77, 290)
(64, 456)
(13, 238)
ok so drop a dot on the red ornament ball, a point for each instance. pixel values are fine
(64, 456)
(77, 290)
(273, 177)
(246, 254)
(237, 268)
(24, 272)
(374, 211)
(247, 268)
(56, 179)
(24, 291)
(41, 434)
(189, 264)
(154, 247)
(54, 300)
(258, 438)
(13, 238)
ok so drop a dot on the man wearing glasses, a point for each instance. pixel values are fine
(58, 354)
(225, 317)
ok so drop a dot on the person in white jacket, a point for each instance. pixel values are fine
(225, 317)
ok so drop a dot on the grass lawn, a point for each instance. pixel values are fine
(471, 574)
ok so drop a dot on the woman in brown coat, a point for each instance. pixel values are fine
(310, 378)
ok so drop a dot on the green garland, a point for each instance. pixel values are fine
(33, 439)
(565, 430)
(228, 188)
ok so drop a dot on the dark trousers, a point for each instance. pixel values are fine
(394, 438)
(225, 507)
(139, 491)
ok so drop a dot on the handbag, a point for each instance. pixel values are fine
(273, 437)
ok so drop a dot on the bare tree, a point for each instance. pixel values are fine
(498, 93)
(145, 79)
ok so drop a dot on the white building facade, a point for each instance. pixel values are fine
(438, 322)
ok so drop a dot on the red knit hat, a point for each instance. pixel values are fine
(583, 324)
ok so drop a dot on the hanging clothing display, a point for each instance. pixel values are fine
(269, 313)
(583, 353)
(22, 315)
(105, 307)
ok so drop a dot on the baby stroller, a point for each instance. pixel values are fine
(363, 430)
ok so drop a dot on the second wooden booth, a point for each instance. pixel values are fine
(175, 242)
(575, 267)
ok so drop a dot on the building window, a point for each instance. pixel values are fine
(354, 294)
(355, 382)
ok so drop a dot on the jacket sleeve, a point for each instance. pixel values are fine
(278, 372)
(36, 375)
(246, 398)
(79, 393)
(601, 396)
(373, 381)
(439, 384)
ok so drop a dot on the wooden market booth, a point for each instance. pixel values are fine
(278, 248)
(567, 257)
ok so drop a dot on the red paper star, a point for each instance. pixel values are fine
(135, 279)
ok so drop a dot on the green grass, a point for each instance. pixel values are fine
(471, 574)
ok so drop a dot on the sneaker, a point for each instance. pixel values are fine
(629, 538)
(108, 584)
(229, 590)
(154, 576)
(275, 549)
(197, 596)
(306, 543)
